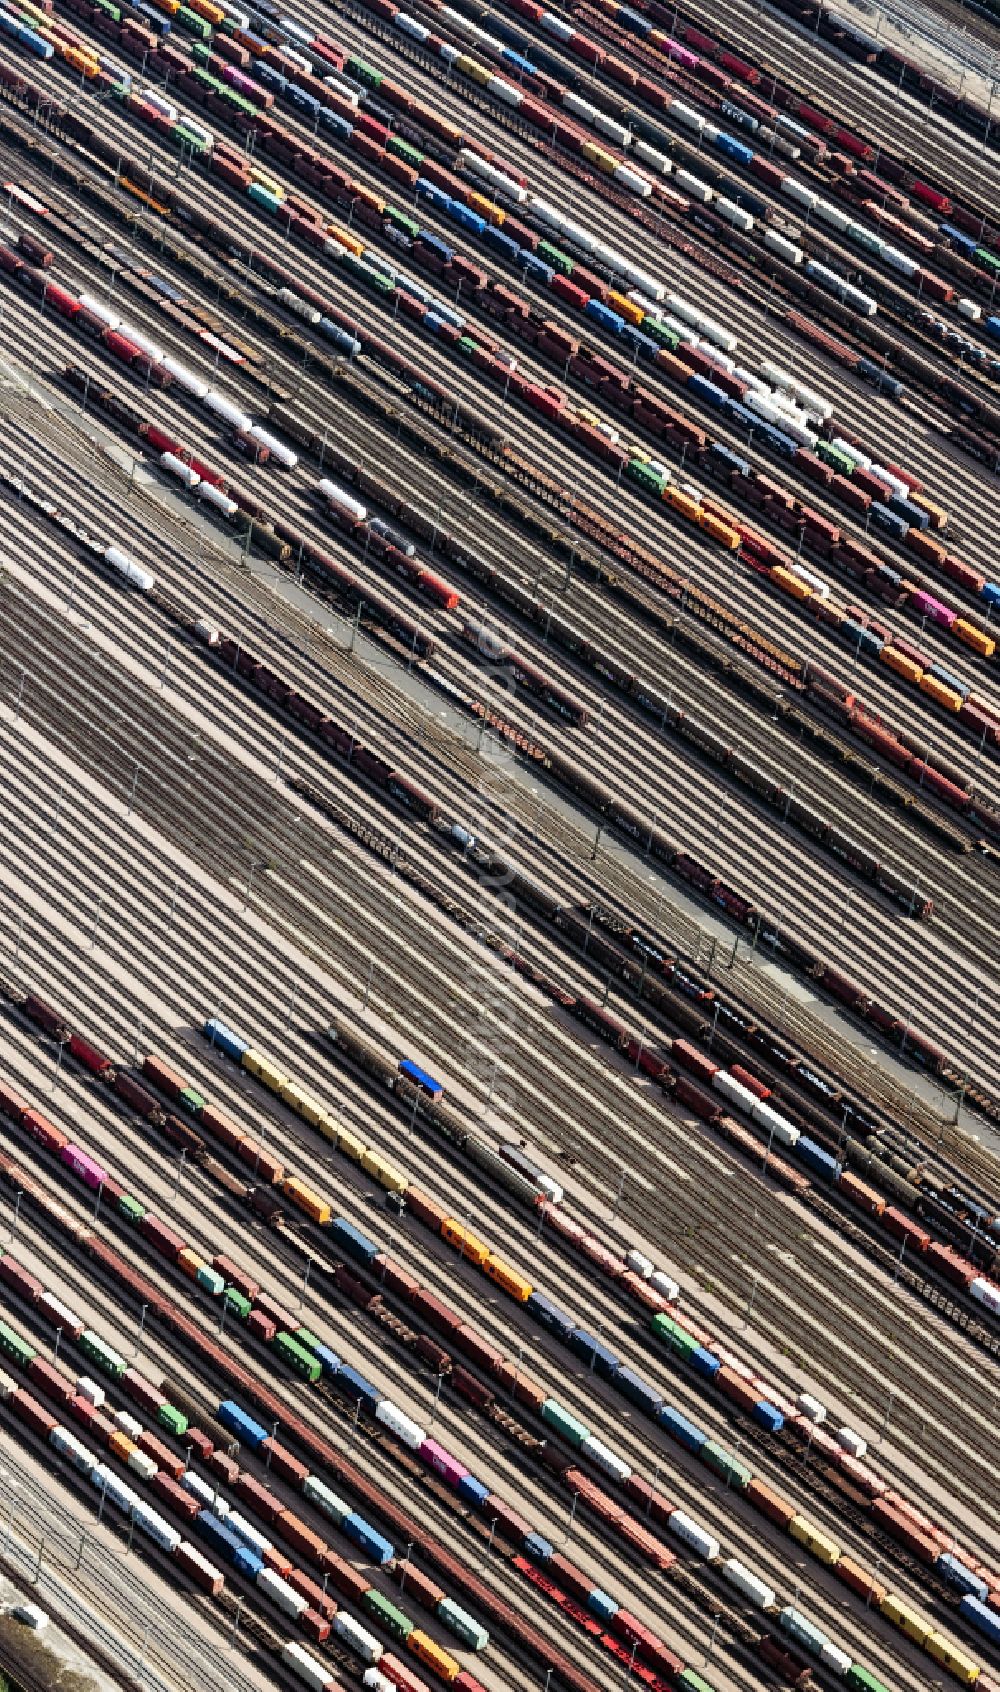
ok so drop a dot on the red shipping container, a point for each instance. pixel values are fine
(162, 1238)
(50, 1382)
(17, 1277)
(310, 1589)
(750, 1081)
(569, 291)
(223, 1128)
(861, 1581)
(315, 1626)
(141, 1391)
(283, 1465)
(265, 1168)
(271, 1308)
(158, 1072)
(865, 1197)
(167, 1461)
(45, 1132)
(304, 1542)
(191, 1561)
(903, 1228)
(906, 1531)
(277, 1561)
(236, 1277)
(348, 1580)
(262, 1502)
(35, 1416)
(224, 1466)
(199, 1443)
(392, 1276)
(689, 1057)
(261, 1326)
(700, 1103)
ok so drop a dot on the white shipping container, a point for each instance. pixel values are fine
(801, 1629)
(347, 502)
(377, 1682)
(896, 483)
(449, 53)
(156, 1529)
(986, 1293)
(852, 1442)
(222, 502)
(689, 184)
(802, 196)
(683, 1528)
(615, 132)
(313, 1674)
(504, 91)
(403, 1426)
(251, 1535)
(774, 1124)
(751, 1585)
(128, 1423)
(344, 91)
(969, 309)
(280, 1593)
(902, 262)
(178, 468)
(833, 1658)
(818, 585)
(811, 1408)
(649, 155)
(785, 249)
(633, 181)
(205, 631)
(198, 1488)
(58, 1313)
(665, 1285)
(854, 452)
(159, 104)
(88, 1389)
(734, 214)
(580, 108)
(325, 1499)
(356, 1637)
(549, 215)
(605, 1458)
(144, 342)
(410, 26)
(557, 27)
(832, 215)
(686, 115)
(142, 1465)
(639, 1264)
(733, 1091)
(230, 413)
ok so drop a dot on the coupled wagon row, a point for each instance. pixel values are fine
(694, 1346)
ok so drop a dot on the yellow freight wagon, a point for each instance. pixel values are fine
(343, 239)
(978, 639)
(350, 1145)
(597, 156)
(205, 9)
(190, 1262)
(806, 1533)
(906, 1618)
(329, 1127)
(121, 1445)
(493, 214)
(625, 307)
(945, 696)
(303, 1104)
(436, 1659)
(458, 1235)
(681, 502)
(264, 1070)
(719, 531)
(317, 1209)
(508, 1279)
(790, 583)
(951, 1657)
(384, 1172)
(936, 514)
(902, 665)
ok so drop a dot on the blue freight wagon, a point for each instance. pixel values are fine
(639, 1391)
(352, 1240)
(600, 1605)
(704, 1362)
(217, 1034)
(420, 1077)
(682, 1430)
(361, 1533)
(769, 1416)
(818, 1159)
(242, 1425)
(595, 1354)
(355, 1385)
(549, 1315)
(473, 1491)
(219, 1536)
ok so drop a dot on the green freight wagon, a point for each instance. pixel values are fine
(733, 1472)
(838, 460)
(14, 1346)
(404, 151)
(191, 1100)
(173, 1420)
(363, 72)
(862, 1680)
(262, 196)
(130, 1208)
(572, 1431)
(557, 259)
(399, 220)
(235, 1301)
(672, 1334)
(185, 19)
(462, 1625)
(393, 1620)
(467, 345)
(297, 1357)
(201, 52)
(661, 332)
(649, 479)
(104, 1355)
(691, 1681)
(308, 1339)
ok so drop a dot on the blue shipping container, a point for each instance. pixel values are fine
(355, 1386)
(916, 518)
(549, 1315)
(706, 390)
(536, 267)
(987, 1621)
(944, 676)
(992, 327)
(704, 1362)
(407, 1067)
(362, 1533)
(594, 1353)
(219, 1035)
(634, 21)
(332, 1364)
(956, 1574)
(473, 1491)
(247, 1562)
(639, 342)
(991, 593)
(352, 1240)
(503, 243)
(818, 1160)
(242, 1425)
(539, 1548)
(601, 1605)
(639, 1391)
(769, 1416)
(681, 1429)
(602, 314)
(210, 1527)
